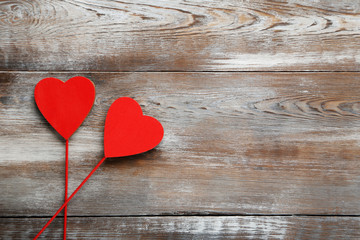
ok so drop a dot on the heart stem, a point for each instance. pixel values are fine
(66, 183)
(71, 196)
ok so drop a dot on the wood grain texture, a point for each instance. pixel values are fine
(235, 143)
(330, 228)
(182, 35)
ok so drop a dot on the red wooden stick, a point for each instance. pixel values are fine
(66, 183)
(71, 196)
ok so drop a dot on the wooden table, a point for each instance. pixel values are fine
(259, 101)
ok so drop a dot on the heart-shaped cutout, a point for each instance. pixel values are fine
(128, 131)
(65, 105)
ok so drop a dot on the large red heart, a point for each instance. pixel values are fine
(65, 105)
(128, 131)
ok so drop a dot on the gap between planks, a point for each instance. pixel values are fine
(79, 71)
(191, 215)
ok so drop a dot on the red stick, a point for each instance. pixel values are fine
(71, 196)
(66, 183)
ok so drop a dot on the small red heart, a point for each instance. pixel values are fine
(128, 131)
(65, 105)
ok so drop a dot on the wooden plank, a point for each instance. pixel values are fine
(273, 143)
(191, 35)
(187, 228)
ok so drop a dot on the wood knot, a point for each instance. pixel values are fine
(15, 13)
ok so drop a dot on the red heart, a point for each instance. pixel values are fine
(128, 131)
(65, 105)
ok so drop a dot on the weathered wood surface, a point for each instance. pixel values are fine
(235, 143)
(329, 228)
(192, 35)
(279, 144)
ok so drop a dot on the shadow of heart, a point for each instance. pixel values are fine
(134, 159)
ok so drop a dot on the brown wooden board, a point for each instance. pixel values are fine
(235, 143)
(138, 35)
(259, 101)
(187, 228)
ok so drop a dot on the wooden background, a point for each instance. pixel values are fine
(259, 101)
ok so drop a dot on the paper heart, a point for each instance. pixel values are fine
(128, 131)
(65, 105)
